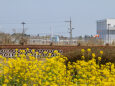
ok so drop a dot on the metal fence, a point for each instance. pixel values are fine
(11, 52)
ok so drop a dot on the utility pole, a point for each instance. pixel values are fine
(23, 32)
(108, 32)
(51, 36)
(70, 29)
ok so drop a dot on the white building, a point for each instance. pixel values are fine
(106, 30)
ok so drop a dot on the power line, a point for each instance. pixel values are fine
(42, 22)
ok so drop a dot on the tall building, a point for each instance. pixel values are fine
(106, 30)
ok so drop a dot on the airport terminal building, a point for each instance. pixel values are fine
(106, 30)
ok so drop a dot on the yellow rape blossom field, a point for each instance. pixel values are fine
(28, 70)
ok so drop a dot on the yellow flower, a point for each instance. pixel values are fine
(4, 85)
(101, 52)
(37, 53)
(55, 51)
(47, 83)
(53, 71)
(33, 51)
(16, 50)
(49, 54)
(40, 54)
(23, 51)
(20, 51)
(99, 58)
(6, 81)
(93, 55)
(24, 85)
(35, 85)
(82, 50)
(17, 80)
(16, 55)
(89, 50)
(27, 49)
(83, 57)
(45, 52)
(1, 57)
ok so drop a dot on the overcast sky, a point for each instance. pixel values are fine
(42, 15)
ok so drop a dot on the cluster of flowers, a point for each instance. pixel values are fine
(33, 52)
(29, 71)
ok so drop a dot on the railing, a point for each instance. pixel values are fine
(11, 52)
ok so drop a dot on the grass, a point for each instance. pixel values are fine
(108, 55)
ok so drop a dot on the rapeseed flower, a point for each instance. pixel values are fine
(99, 58)
(93, 55)
(82, 50)
(89, 50)
(24, 85)
(53, 71)
(101, 52)
(4, 85)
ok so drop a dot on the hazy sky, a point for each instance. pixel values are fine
(42, 15)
